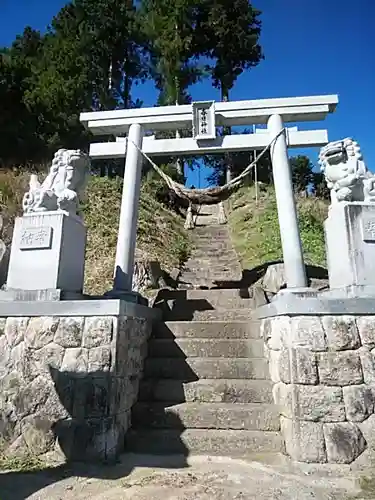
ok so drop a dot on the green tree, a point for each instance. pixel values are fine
(89, 60)
(320, 188)
(20, 140)
(169, 27)
(302, 173)
(228, 32)
(239, 161)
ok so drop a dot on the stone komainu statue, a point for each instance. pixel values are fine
(62, 187)
(346, 173)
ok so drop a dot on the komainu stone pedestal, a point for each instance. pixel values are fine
(69, 380)
(323, 369)
(48, 252)
(350, 243)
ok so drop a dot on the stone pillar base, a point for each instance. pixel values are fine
(350, 243)
(323, 369)
(69, 382)
(48, 252)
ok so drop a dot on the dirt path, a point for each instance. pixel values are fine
(203, 478)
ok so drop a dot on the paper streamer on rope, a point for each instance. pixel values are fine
(189, 222)
(222, 218)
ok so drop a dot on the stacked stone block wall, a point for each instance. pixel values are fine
(323, 368)
(68, 383)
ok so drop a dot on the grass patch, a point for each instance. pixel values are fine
(255, 229)
(160, 235)
(27, 463)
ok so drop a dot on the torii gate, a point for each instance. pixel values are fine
(203, 117)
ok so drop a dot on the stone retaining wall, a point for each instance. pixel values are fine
(68, 383)
(323, 368)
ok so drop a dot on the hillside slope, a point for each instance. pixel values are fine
(160, 236)
(255, 228)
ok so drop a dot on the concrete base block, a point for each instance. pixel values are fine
(350, 243)
(48, 252)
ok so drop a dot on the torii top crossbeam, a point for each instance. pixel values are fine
(293, 109)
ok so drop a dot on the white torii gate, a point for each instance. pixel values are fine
(203, 117)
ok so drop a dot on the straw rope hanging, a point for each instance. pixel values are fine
(208, 196)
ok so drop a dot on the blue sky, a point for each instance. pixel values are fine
(311, 48)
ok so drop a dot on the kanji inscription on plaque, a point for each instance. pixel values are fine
(36, 238)
(368, 228)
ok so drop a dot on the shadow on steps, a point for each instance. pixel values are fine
(251, 277)
(169, 302)
(155, 430)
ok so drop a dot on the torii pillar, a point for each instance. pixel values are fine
(127, 232)
(294, 267)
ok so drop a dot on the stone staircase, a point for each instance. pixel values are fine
(206, 386)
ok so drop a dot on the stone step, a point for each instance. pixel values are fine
(212, 348)
(185, 314)
(230, 297)
(235, 443)
(207, 391)
(208, 281)
(192, 369)
(261, 417)
(208, 329)
(210, 270)
(209, 252)
(210, 299)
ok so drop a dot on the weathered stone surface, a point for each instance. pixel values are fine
(92, 397)
(44, 384)
(359, 402)
(40, 331)
(15, 329)
(11, 384)
(344, 442)
(275, 331)
(340, 368)
(5, 351)
(75, 360)
(298, 366)
(320, 403)
(17, 357)
(2, 326)
(97, 331)
(306, 331)
(274, 279)
(341, 332)
(368, 365)
(312, 403)
(32, 396)
(274, 365)
(37, 433)
(40, 362)
(304, 441)
(99, 359)
(282, 396)
(366, 329)
(69, 332)
(58, 404)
